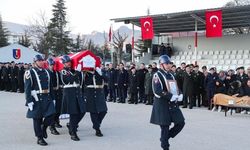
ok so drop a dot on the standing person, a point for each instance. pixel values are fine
(165, 108)
(112, 81)
(148, 86)
(39, 99)
(163, 49)
(133, 86)
(6, 77)
(105, 74)
(198, 85)
(122, 81)
(55, 78)
(210, 83)
(188, 88)
(169, 50)
(95, 98)
(154, 67)
(20, 78)
(72, 102)
(13, 76)
(141, 73)
(1, 77)
(203, 90)
(242, 76)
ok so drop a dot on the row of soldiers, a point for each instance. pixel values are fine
(11, 76)
(50, 93)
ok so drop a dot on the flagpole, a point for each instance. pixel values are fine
(133, 45)
(196, 42)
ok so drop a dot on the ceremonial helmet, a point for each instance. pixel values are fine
(51, 61)
(65, 59)
(164, 59)
(38, 58)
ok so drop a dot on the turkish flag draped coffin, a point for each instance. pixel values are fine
(147, 31)
(81, 61)
(214, 23)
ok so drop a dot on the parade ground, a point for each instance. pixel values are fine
(126, 127)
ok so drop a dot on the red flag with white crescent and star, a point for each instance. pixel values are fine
(214, 23)
(147, 31)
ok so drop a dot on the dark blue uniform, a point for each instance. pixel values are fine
(95, 98)
(56, 83)
(38, 91)
(165, 112)
(72, 101)
(210, 86)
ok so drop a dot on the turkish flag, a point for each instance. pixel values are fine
(214, 23)
(147, 31)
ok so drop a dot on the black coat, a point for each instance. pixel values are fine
(122, 77)
(133, 82)
(164, 112)
(112, 77)
(72, 101)
(95, 97)
(44, 106)
(188, 84)
(198, 82)
(141, 73)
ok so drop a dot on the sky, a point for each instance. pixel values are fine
(85, 16)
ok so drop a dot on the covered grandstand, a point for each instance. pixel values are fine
(227, 52)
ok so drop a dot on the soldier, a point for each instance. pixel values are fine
(55, 78)
(198, 85)
(122, 81)
(13, 76)
(20, 78)
(165, 108)
(6, 77)
(95, 98)
(112, 82)
(210, 85)
(39, 99)
(72, 101)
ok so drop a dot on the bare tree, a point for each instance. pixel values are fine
(118, 41)
(240, 30)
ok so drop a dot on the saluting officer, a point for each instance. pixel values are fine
(165, 107)
(72, 101)
(39, 98)
(95, 98)
(55, 78)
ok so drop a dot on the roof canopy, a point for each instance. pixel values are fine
(232, 17)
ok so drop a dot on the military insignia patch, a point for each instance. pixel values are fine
(27, 74)
(64, 72)
(156, 79)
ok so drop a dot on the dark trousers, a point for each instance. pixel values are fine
(122, 91)
(188, 99)
(210, 95)
(149, 98)
(197, 99)
(167, 133)
(134, 98)
(106, 91)
(142, 94)
(40, 124)
(204, 98)
(74, 121)
(14, 85)
(55, 120)
(21, 87)
(112, 92)
(97, 118)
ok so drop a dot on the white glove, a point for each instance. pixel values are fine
(174, 98)
(79, 67)
(98, 70)
(180, 97)
(54, 101)
(30, 106)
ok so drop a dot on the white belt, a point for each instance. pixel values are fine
(95, 86)
(43, 92)
(71, 86)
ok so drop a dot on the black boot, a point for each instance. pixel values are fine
(74, 136)
(41, 141)
(98, 133)
(44, 129)
(54, 131)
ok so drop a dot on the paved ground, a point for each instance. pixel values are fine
(126, 127)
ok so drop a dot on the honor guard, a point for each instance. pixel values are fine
(95, 98)
(55, 78)
(39, 98)
(165, 108)
(72, 102)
